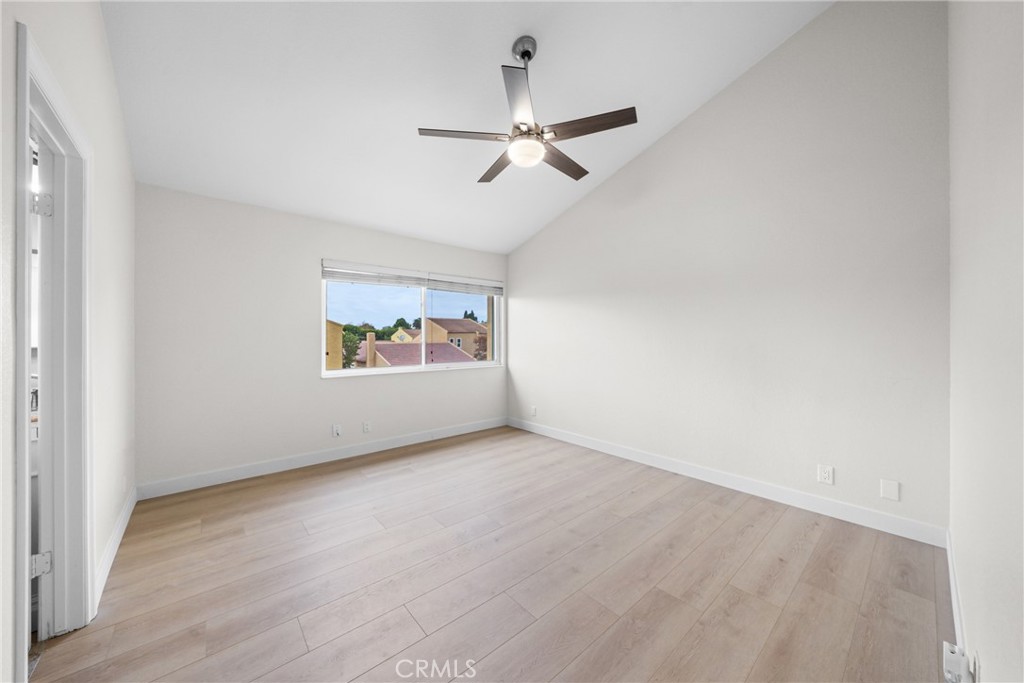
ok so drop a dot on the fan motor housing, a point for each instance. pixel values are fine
(524, 49)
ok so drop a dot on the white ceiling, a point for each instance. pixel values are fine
(312, 108)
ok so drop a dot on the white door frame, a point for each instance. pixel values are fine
(67, 498)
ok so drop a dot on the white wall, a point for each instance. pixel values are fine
(73, 41)
(228, 340)
(986, 72)
(766, 288)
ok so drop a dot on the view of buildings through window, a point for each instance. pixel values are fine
(379, 326)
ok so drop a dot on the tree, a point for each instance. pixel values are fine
(349, 349)
(357, 330)
(417, 323)
(470, 315)
(402, 322)
(480, 353)
(384, 333)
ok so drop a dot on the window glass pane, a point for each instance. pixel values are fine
(364, 318)
(459, 327)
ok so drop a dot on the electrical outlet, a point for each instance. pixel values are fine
(533, 411)
(826, 475)
(366, 427)
(335, 430)
(889, 489)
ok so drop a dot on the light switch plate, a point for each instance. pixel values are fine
(890, 489)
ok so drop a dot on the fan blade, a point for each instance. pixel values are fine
(496, 168)
(517, 87)
(592, 124)
(555, 157)
(463, 135)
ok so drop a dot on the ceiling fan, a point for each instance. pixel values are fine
(529, 143)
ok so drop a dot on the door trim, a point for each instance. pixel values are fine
(41, 105)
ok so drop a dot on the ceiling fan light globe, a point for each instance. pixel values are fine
(526, 151)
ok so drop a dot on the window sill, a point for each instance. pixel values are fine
(407, 369)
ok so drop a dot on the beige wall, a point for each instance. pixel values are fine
(335, 346)
(790, 242)
(402, 336)
(72, 39)
(203, 406)
(986, 219)
(435, 333)
(465, 341)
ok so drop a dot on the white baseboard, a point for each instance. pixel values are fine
(110, 550)
(875, 519)
(197, 481)
(954, 593)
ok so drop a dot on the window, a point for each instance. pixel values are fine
(388, 320)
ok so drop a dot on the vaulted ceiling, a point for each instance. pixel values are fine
(312, 108)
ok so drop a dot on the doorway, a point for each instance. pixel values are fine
(40, 441)
(53, 544)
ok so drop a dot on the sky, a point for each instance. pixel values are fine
(382, 306)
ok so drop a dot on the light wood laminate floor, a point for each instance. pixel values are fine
(535, 559)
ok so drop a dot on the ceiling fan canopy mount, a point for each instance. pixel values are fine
(524, 49)
(529, 143)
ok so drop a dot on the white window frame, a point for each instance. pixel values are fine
(424, 278)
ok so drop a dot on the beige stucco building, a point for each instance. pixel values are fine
(334, 350)
(468, 335)
(405, 336)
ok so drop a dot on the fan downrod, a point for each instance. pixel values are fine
(524, 49)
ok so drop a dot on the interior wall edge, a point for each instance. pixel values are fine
(954, 593)
(874, 519)
(106, 562)
(223, 476)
